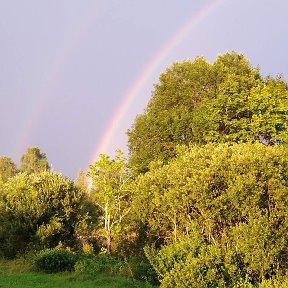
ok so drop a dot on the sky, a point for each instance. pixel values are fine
(74, 74)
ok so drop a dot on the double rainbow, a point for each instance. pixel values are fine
(144, 76)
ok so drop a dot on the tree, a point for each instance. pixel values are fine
(167, 119)
(227, 204)
(109, 179)
(33, 161)
(8, 168)
(244, 115)
(82, 181)
(197, 102)
(38, 210)
(85, 228)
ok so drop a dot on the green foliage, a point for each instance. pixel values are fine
(244, 114)
(93, 265)
(15, 217)
(82, 181)
(163, 260)
(7, 168)
(282, 282)
(136, 268)
(55, 260)
(38, 210)
(214, 213)
(167, 118)
(111, 194)
(228, 203)
(140, 269)
(198, 102)
(33, 161)
(189, 264)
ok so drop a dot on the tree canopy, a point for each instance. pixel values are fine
(33, 161)
(8, 168)
(38, 210)
(199, 102)
(222, 209)
(110, 193)
(202, 200)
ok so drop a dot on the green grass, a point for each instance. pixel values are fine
(13, 275)
(25, 280)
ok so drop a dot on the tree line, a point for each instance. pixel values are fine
(201, 199)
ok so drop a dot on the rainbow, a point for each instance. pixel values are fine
(29, 123)
(145, 75)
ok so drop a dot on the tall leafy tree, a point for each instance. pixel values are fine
(82, 181)
(258, 113)
(110, 179)
(33, 161)
(167, 119)
(199, 102)
(8, 168)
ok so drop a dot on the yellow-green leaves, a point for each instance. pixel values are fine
(38, 210)
(198, 102)
(110, 193)
(231, 199)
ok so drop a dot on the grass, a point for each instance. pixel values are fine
(13, 274)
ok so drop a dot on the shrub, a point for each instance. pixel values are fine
(141, 269)
(274, 283)
(55, 260)
(100, 263)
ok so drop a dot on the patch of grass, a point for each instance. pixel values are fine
(13, 276)
(37, 280)
(14, 266)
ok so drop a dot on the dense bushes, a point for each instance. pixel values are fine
(211, 212)
(221, 211)
(136, 268)
(55, 260)
(38, 211)
(100, 263)
(60, 259)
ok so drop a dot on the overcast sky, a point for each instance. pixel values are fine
(68, 66)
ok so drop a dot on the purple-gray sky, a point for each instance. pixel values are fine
(67, 65)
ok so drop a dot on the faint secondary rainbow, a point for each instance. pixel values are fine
(31, 120)
(155, 61)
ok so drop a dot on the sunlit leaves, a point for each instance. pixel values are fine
(38, 209)
(7, 168)
(110, 179)
(233, 197)
(33, 161)
(199, 102)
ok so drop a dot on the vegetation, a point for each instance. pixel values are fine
(201, 200)
(38, 211)
(55, 260)
(14, 276)
(198, 102)
(7, 168)
(222, 218)
(33, 161)
(112, 197)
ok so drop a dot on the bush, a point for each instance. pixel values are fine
(55, 260)
(37, 211)
(100, 263)
(141, 269)
(275, 283)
